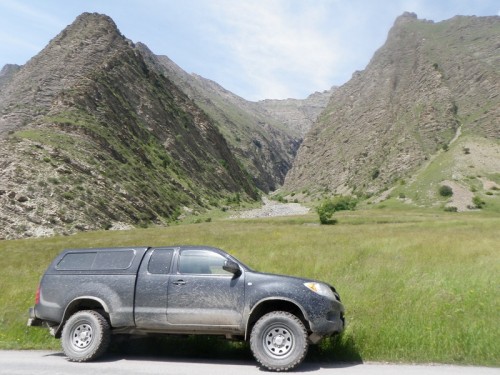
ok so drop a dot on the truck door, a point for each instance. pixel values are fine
(151, 289)
(201, 294)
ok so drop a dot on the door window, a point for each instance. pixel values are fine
(160, 261)
(202, 262)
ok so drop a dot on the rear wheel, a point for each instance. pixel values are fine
(85, 336)
(279, 341)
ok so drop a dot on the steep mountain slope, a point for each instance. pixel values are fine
(7, 73)
(265, 144)
(429, 83)
(299, 114)
(91, 138)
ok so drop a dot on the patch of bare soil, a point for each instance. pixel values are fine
(461, 198)
(272, 209)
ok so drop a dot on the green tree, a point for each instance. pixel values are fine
(329, 206)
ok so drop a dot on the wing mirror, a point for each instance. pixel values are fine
(231, 266)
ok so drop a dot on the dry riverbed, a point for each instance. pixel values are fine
(272, 209)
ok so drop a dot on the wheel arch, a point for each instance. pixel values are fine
(274, 304)
(79, 304)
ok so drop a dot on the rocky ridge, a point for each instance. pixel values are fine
(97, 132)
(91, 138)
(426, 82)
(7, 73)
(299, 114)
(265, 135)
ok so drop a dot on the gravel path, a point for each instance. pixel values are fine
(272, 209)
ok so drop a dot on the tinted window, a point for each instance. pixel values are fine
(77, 261)
(204, 262)
(113, 260)
(97, 260)
(160, 260)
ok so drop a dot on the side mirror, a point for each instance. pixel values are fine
(232, 267)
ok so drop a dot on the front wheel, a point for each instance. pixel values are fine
(85, 336)
(279, 341)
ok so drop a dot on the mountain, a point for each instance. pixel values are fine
(7, 73)
(97, 132)
(92, 138)
(431, 88)
(298, 114)
(263, 142)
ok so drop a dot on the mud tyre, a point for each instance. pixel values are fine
(85, 336)
(279, 341)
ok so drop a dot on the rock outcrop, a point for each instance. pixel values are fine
(419, 88)
(264, 144)
(92, 138)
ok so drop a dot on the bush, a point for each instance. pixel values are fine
(445, 191)
(478, 202)
(451, 209)
(325, 211)
(328, 207)
(343, 203)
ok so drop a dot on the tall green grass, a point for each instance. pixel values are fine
(418, 286)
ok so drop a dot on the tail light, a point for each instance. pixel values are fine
(37, 295)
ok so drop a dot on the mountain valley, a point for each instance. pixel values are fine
(98, 132)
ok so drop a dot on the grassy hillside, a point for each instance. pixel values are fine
(418, 285)
(468, 165)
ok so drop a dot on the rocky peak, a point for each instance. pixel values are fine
(9, 69)
(93, 137)
(405, 17)
(427, 80)
(298, 114)
(75, 52)
(7, 73)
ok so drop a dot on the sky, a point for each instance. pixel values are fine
(258, 49)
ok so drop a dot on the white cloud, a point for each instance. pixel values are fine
(282, 51)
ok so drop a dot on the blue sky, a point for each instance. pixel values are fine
(255, 48)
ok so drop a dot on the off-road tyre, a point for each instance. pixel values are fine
(279, 341)
(85, 336)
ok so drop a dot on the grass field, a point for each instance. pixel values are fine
(418, 285)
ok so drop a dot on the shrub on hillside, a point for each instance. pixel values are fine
(445, 191)
(478, 202)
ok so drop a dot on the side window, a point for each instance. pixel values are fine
(97, 260)
(160, 261)
(201, 262)
(76, 261)
(113, 260)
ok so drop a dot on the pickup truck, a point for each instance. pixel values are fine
(88, 295)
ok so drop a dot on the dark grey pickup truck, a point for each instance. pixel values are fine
(86, 295)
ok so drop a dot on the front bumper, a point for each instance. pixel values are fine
(332, 324)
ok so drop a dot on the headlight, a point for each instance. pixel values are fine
(321, 289)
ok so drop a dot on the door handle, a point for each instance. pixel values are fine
(179, 282)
